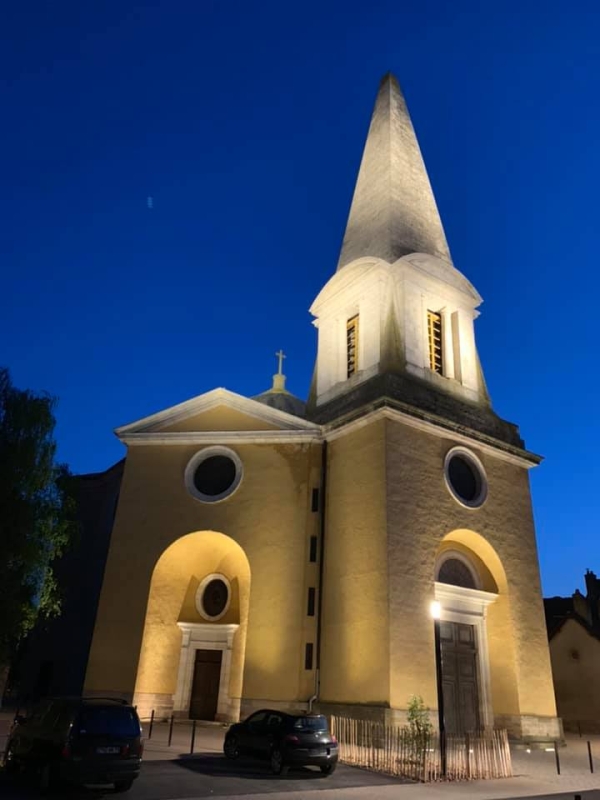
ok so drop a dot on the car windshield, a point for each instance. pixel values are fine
(311, 724)
(108, 721)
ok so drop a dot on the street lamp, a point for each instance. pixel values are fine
(435, 609)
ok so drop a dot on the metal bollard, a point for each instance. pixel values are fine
(193, 736)
(170, 730)
(557, 758)
(151, 724)
(589, 744)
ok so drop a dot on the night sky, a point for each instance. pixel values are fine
(245, 122)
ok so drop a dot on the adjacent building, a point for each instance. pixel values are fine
(574, 634)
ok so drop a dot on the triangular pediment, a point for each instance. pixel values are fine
(217, 411)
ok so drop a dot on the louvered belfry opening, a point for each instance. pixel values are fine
(434, 335)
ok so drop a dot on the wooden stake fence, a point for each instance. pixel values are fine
(397, 751)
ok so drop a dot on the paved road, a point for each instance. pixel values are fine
(211, 775)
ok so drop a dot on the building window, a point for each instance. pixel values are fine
(465, 477)
(455, 572)
(308, 656)
(310, 612)
(434, 338)
(352, 346)
(213, 596)
(213, 474)
(313, 550)
(314, 503)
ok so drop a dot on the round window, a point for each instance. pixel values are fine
(465, 478)
(213, 596)
(213, 474)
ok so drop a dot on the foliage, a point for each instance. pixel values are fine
(419, 724)
(36, 512)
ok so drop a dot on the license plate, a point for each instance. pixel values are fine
(107, 750)
(318, 751)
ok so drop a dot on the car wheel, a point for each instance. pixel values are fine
(231, 747)
(277, 765)
(328, 769)
(123, 786)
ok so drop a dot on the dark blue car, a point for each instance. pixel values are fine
(77, 741)
(285, 740)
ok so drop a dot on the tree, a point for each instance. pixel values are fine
(36, 514)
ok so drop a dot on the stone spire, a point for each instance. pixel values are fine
(393, 211)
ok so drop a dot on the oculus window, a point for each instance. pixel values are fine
(213, 474)
(213, 597)
(465, 477)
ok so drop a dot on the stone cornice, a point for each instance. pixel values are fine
(294, 430)
(221, 437)
(336, 430)
(436, 426)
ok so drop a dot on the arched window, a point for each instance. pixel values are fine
(457, 572)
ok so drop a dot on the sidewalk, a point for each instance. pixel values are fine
(535, 772)
(208, 739)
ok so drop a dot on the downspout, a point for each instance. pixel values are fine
(322, 504)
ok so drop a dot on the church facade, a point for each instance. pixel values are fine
(268, 552)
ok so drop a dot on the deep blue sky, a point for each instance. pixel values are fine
(245, 122)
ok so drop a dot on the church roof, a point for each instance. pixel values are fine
(278, 396)
(158, 428)
(393, 210)
(283, 401)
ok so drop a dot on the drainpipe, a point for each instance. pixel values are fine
(322, 504)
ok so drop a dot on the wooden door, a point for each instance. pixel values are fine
(205, 684)
(459, 677)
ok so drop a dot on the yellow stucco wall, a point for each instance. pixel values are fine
(220, 419)
(355, 655)
(421, 512)
(269, 516)
(575, 658)
(389, 515)
(172, 599)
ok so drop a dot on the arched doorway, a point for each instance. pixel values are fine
(463, 647)
(192, 654)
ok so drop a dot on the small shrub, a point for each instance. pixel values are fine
(419, 724)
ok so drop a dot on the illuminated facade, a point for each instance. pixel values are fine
(265, 552)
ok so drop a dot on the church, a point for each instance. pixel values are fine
(273, 552)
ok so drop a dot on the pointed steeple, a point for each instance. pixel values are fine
(393, 210)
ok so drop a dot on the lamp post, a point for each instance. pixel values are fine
(436, 612)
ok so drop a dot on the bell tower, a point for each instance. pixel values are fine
(427, 493)
(396, 305)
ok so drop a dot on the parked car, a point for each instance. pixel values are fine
(285, 740)
(78, 741)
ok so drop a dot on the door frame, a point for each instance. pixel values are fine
(469, 606)
(204, 636)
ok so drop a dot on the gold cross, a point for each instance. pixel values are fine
(280, 355)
